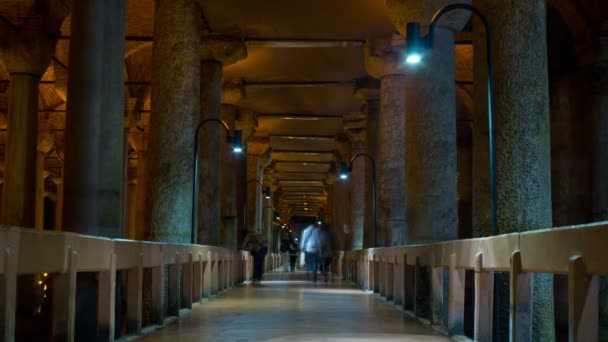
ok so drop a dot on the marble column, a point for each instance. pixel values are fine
(175, 112)
(387, 65)
(430, 140)
(93, 182)
(228, 233)
(216, 52)
(26, 55)
(522, 147)
(45, 145)
(368, 92)
(600, 165)
(360, 186)
(256, 149)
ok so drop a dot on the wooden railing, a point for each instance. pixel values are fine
(205, 271)
(580, 252)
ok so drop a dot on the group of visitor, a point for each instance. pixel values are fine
(319, 247)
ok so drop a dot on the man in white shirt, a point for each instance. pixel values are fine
(311, 244)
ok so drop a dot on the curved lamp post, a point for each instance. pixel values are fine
(233, 139)
(414, 54)
(267, 194)
(345, 170)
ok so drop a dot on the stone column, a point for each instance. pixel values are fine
(522, 145)
(216, 52)
(385, 64)
(175, 108)
(140, 144)
(26, 55)
(368, 92)
(600, 165)
(256, 147)
(94, 148)
(45, 145)
(228, 233)
(360, 185)
(430, 127)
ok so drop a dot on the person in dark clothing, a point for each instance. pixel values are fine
(257, 245)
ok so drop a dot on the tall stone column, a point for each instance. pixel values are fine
(45, 145)
(360, 185)
(94, 148)
(430, 128)
(26, 55)
(522, 147)
(256, 148)
(228, 233)
(175, 108)
(600, 142)
(368, 92)
(385, 64)
(216, 52)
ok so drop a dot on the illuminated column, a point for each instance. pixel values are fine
(360, 187)
(386, 64)
(26, 54)
(228, 233)
(176, 108)
(256, 148)
(523, 165)
(216, 53)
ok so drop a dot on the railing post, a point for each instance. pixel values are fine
(437, 300)
(376, 266)
(64, 301)
(382, 276)
(157, 312)
(583, 302)
(520, 301)
(456, 298)
(197, 273)
(409, 290)
(106, 301)
(484, 301)
(207, 276)
(214, 274)
(9, 286)
(187, 280)
(174, 290)
(135, 280)
(390, 278)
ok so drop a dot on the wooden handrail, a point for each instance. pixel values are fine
(576, 251)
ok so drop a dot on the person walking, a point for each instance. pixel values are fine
(293, 253)
(285, 242)
(312, 247)
(328, 250)
(257, 245)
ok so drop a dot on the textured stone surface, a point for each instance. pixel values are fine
(522, 140)
(94, 149)
(209, 158)
(430, 140)
(382, 59)
(176, 108)
(225, 49)
(391, 161)
(403, 11)
(359, 182)
(228, 233)
(25, 55)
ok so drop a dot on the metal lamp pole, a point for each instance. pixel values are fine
(413, 38)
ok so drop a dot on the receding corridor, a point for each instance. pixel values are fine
(286, 307)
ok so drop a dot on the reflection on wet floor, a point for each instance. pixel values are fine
(287, 307)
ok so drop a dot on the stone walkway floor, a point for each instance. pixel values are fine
(286, 307)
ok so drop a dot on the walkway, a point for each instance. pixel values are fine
(288, 308)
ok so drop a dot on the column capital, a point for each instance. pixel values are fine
(367, 89)
(229, 114)
(383, 58)
(358, 139)
(258, 146)
(29, 49)
(223, 48)
(233, 91)
(401, 12)
(247, 123)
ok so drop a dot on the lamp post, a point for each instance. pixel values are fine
(267, 194)
(414, 45)
(345, 170)
(237, 147)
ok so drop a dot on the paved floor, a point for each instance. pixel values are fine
(286, 307)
